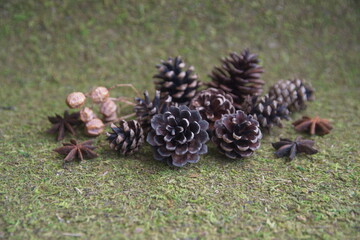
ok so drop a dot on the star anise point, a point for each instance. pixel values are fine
(77, 150)
(64, 124)
(313, 126)
(286, 147)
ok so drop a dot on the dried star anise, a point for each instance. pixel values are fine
(313, 126)
(63, 124)
(74, 150)
(286, 147)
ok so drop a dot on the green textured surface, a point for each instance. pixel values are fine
(51, 48)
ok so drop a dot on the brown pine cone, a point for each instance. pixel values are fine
(239, 76)
(146, 109)
(212, 103)
(126, 138)
(174, 80)
(295, 93)
(269, 112)
(237, 135)
(178, 136)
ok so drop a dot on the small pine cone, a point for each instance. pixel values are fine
(269, 112)
(175, 81)
(237, 135)
(146, 109)
(127, 137)
(178, 136)
(295, 93)
(212, 103)
(239, 76)
(249, 103)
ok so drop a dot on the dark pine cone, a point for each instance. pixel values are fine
(178, 136)
(127, 137)
(268, 112)
(146, 109)
(212, 103)
(237, 135)
(175, 81)
(239, 76)
(295, 93)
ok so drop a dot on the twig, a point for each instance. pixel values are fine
(126, 85)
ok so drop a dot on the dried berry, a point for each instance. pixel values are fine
(108, 110)
(75, 100)
(94, 127)
(74, 150)
(99, 94)
(87, 114)
(178, 136)
(290, 148)
(313, 126)
(64, 124)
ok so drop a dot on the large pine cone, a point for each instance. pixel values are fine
(175, 81)
(237, 135)
(268, 112)
(295, 93)
(212, 103)
(239, 76)
(146, 109)
(178, 136)
(127, 137)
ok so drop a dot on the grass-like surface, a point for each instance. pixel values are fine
(51, 48)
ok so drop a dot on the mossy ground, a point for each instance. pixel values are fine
(51, 48)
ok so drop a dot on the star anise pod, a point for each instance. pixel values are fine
(286, 147)
(77, 150)
(313, 126)
(63, 124)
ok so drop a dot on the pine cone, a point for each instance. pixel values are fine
(269, 112)
(146, 109)
(178, 136)
(295, 93)
(212, 103)
(175, 81)
(237, 135)
(239, 76)
(127, 137)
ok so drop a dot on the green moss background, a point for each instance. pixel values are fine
(51, 48)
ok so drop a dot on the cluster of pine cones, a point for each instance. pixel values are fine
(230, 110)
